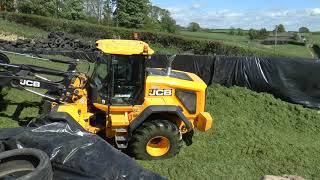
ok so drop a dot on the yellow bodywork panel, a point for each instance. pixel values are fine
(119, 120)
(124, 47)
(204, 122)
(79, 110)
(173, 84)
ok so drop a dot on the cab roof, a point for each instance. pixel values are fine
(124, 47)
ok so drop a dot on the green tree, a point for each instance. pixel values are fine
(151, 24)
(131, 13)
(258, 34)
(72, 9)
(253, 34)
(168, 24)
(152, 20)
(39, 7)
(240, 32)
(8, 4)
(232, 31)
(69, 9)
(156, 13)
(263, 33)
(281, 28)
(193, 26)
(159, 19)
(304, 30)
(107, 12)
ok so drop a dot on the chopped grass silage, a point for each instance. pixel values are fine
(254, 134)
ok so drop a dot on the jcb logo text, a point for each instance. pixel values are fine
(160, 92)
(29, 83)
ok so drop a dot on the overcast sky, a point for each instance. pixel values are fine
(245, 13)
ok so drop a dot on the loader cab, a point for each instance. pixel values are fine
(119, 80)
(119, 76)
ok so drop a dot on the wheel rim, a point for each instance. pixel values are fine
(158, 146)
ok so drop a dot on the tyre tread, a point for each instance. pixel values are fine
(139, 137)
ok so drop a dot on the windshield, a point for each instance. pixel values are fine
(120, 79)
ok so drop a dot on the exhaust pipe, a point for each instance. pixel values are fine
(169, 64)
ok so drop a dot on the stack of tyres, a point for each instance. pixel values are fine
(54, 41)
(62, 41)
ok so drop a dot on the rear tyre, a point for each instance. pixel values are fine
(154, 140)
(25, 164)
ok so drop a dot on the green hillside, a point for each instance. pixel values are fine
(7, 27)
(244, 41)
(316, 38)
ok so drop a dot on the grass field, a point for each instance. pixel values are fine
(316, 38)
(244, 41)
(21, 30)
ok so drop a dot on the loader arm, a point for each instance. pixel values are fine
(29, 77)
(23, 83)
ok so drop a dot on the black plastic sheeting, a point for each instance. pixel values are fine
(293, 80)
(76, 155)
(200, 65)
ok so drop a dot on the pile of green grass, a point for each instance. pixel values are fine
(253, 135)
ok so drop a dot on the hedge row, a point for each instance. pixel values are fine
(85, 29)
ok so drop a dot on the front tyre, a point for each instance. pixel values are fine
(154, 140)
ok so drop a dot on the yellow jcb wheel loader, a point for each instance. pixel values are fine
(147, 111)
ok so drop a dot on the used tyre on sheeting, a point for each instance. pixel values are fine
(25, 164)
